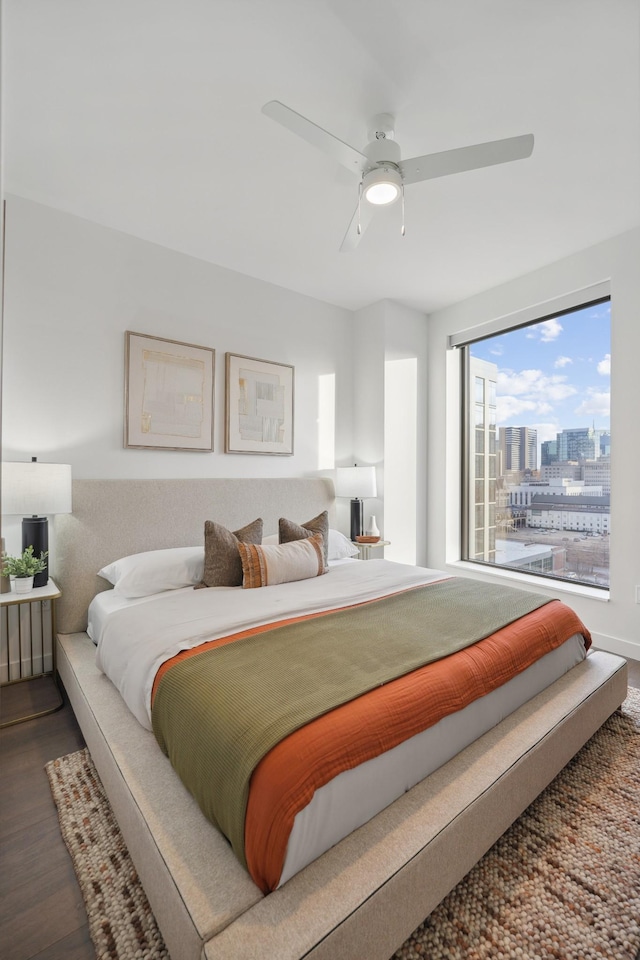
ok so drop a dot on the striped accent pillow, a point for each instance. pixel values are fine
(282, 562)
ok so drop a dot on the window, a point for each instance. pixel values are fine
(537, 443)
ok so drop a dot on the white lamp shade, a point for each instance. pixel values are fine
(356, 482)
(35, 489)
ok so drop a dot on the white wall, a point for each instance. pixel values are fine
(616, 622)
(72, 288)
(388, 331)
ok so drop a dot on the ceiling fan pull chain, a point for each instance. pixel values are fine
(402, 196)
(359, 202)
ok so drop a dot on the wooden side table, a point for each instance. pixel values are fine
(25, 631)
(366, 548)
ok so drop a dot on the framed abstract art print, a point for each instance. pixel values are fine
(168, 394)
(259, 406)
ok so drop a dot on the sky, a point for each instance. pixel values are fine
(554, 375)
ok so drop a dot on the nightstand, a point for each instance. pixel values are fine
(28, 651)
(366, 548)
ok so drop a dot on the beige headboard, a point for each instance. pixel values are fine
(115, 518)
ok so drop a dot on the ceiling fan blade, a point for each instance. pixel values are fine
(348, 156)
(352, 238)
(466, 158)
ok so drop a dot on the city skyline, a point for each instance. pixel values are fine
(555, 374)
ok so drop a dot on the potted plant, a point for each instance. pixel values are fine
(23, 568)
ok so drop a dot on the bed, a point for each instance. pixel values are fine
(372, 888)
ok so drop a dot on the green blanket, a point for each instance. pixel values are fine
(217, 714)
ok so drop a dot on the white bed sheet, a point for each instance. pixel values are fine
(135, 638)
(107, 602)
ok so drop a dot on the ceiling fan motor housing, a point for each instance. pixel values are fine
(382, 151)
(382, 180)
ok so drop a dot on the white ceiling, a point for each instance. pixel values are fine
(145, 116)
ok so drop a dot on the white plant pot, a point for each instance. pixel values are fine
(23, 584)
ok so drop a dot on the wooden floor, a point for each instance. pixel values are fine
(41, 908)
(42, 915)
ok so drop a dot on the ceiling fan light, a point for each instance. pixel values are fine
(380, 193)
(382, 186)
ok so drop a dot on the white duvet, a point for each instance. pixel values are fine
(134, 637)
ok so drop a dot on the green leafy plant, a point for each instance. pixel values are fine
(25, 565)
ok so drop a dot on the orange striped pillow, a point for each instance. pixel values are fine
(282, 562)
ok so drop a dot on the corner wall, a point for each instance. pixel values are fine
(389, 331)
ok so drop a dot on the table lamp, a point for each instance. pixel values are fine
(356, 483)
(38, 489)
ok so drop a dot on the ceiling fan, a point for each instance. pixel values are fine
(383, 174)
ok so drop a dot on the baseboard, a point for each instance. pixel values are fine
(623, 648)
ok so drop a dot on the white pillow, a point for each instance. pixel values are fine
(340, 546)
(155, 571)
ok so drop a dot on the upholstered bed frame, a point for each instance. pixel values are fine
(367, 894)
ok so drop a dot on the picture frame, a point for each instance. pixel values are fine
(259, 406)
(169, 394)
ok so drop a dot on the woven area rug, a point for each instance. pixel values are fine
(563, 883)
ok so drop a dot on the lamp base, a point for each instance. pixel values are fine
(35, 533)
(357, 518)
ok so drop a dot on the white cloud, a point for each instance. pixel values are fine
(557, 390)
(517, 383)
(596, 404)
(548, 330)
(537, 385)
(546, 431)
(604, 366)
(512, 407)
(530, 392)
(563, 361)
